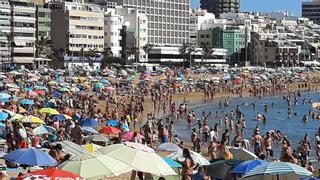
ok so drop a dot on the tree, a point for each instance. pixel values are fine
(190, 51)
(206, 52)
(107, 56)
(91, 54)
(183, 52)
(44, 47)
(147, 48)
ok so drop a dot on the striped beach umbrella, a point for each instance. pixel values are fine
(277, 170)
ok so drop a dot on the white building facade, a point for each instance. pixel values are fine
(23, 27)
(5, 12)
(168, 20)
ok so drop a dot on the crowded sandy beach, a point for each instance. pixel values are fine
(171, 123)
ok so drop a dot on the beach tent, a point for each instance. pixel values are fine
(169, 147)
(72, 148)
(241, 153)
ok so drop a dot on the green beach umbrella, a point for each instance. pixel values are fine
(64, 89)
(95, 166)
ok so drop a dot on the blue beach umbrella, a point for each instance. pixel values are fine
(172, 163)
(4, 96)
(89, 122)
(26, 101)
(40, 130)
(104, 81)
(125, 126)
(112, 123)
(3, 115)
(310, 178)
(59, 117)
(246, 166)
(31, 157)
(76, 117)
(57, 94)
(28, 89)
(50, 129)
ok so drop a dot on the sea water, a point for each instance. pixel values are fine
(277, 118)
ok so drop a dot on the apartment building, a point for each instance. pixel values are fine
(168, 21)
(78, 31)
(23, 29)
(5, 16)
(220, 6)
(311, 9)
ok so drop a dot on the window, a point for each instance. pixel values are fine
(228, 42)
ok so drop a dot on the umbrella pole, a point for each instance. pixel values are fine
(133, 175)
(278, 177)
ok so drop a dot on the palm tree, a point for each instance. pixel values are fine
(206, 52)
(183, 52)
(147, 48)
(135, 51)
(44, 47)
(107, 55)
(92, 53)
(190, 51)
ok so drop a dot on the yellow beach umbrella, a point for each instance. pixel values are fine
(67, 116)
(31, 119)
(49, 111)
(92, 147)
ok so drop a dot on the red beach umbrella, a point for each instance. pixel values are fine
(109, 130)
(54, 173)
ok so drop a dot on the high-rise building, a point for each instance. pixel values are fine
(23, 29)
(78, 30)
(168, 20)
(311, 10)
(5, 12)
(220, 6)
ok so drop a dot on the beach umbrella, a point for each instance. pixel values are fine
(89, 122)
(50, 129)
(3, 116)
(4, 95)
(139, 160)
(40, 130)
(246, 166)
(52, 173)
(49, 111)
(32, 93)
(40, 92)
(113, 123)
(310, 178)
(169, 147)
(31, 157)
(104, 81)
(139, 146)
(74, 89)
(109, 130)
(92, 166)
(172, 163)
(26, 101)
(61, 117)
(31, 119)
(89, 130)
(92, 147)
(241, 153)
(98, 138)
(64, 89)
(277, 170)
(28, 89)
(128, 136)
(199, 159)
(221, 169)
(57, 94)
(16, 117)
(41, 88)
(11, 113)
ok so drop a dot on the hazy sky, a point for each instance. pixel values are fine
(266, 5)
